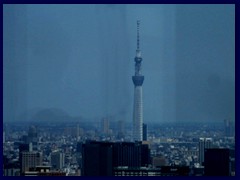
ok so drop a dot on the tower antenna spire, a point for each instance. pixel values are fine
(138, 37)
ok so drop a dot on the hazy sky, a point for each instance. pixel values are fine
(80, 59)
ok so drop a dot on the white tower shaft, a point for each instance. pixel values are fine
(138, 79)
(137, 114)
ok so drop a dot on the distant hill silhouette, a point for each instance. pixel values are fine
(27, 115)
(55, 115)
(47, 115)
(51, 114)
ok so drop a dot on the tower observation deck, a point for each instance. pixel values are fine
(138, 79)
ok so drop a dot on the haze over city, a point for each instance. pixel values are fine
(119, 90)
(78, 60)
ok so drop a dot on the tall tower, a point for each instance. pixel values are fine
(138, 103)
(204, 143)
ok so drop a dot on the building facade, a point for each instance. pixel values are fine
(144, 132)
(100, 158)
(57, 160)
(217, 162)
(204, 143)
(105, 126)
(97, 159)
(30, 160)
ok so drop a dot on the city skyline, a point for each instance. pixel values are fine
(78, 60)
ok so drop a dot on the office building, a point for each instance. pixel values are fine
(144, 132)
(10, 168)
(204, 143)
(25, 147)
(99, 158)
(79, 154)
(120, 129)
(216, 162)
(4, 137)
(229, 128)
(127, 154)
(29, 160)
(57, 160)
(33, 137)
(105, 126)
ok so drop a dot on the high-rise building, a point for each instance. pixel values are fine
(100, 158)
(228, 128)
(216, 162)
(145, 155)
(144, 132)
(23, 147)
(204, 143)
(105, 125)
(29, 160)
(138, 79)
(57, 160)
(33, 137)
(10, 167)
(97, 159)
(120, 129)
(127, 154)
(77, 131)
(208, 143)
(79, 154)
(32, 133)
(3, 136)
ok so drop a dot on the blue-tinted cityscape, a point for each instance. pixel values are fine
(71, 149)
(119, 90)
